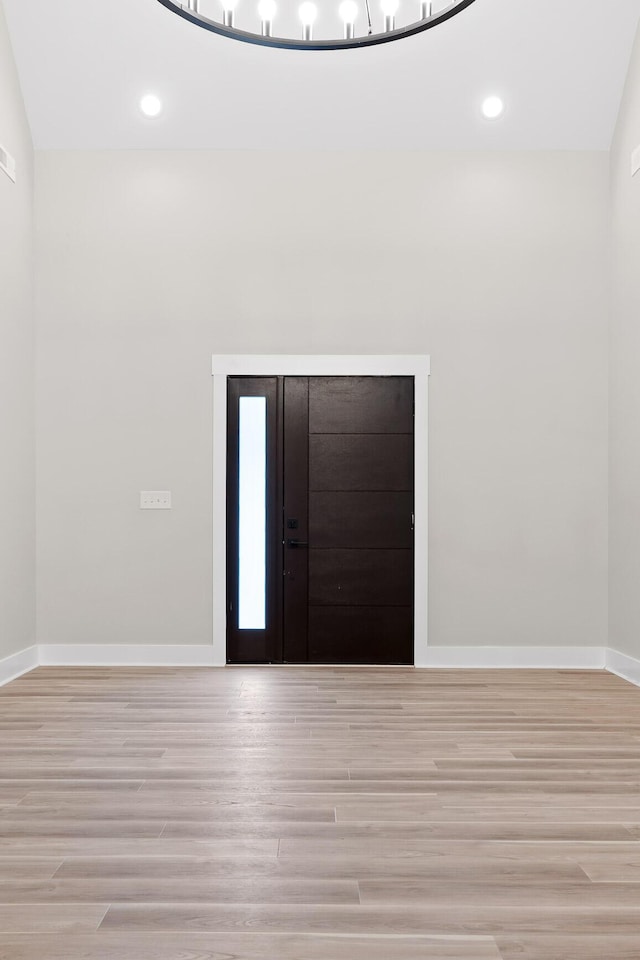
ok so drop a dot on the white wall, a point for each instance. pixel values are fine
(17, 476)
(624, 517)
(495, 264)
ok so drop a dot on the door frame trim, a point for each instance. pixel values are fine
(286, 365)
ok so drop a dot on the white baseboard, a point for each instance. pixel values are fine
(126, 655)
(623, 666)
(202, 655)
(514, 658)
(176, 655)
(18, 663)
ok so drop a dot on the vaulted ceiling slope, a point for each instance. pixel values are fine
(559, 64)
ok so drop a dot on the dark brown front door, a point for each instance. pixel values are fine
(328, 575)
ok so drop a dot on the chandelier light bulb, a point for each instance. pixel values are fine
(308, 14)
(389, 8)
(348, 11)
(267, 11)
(426, 9)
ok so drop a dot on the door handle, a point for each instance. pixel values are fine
(297, 543)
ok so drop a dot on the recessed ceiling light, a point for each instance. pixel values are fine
(492, 108)
(150, 105)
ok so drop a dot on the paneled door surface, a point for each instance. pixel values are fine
(320, 520)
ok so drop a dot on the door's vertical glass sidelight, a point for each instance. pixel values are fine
(252, 513)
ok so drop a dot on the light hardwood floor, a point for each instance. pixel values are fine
(319, 814)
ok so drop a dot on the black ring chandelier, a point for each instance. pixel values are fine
(348, 11)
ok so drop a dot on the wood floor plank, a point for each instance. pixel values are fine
(436, 865)
(516, 830)
(223, 808)
(247, 946)
(21, 868)
(610, 947)
(497, 894)
(239, 845)
(410, 809)
(157, 889)
(612, 867)
(21, 827)
(50, 918)
(61, 846)
(425, 919)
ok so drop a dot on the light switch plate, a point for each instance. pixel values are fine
(155, 499)
(635, 161)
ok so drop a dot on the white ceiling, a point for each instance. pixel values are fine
(559, 64)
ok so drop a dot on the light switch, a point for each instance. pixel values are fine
(155, 499)
(635, 161)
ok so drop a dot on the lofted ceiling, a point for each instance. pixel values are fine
(560, 66)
